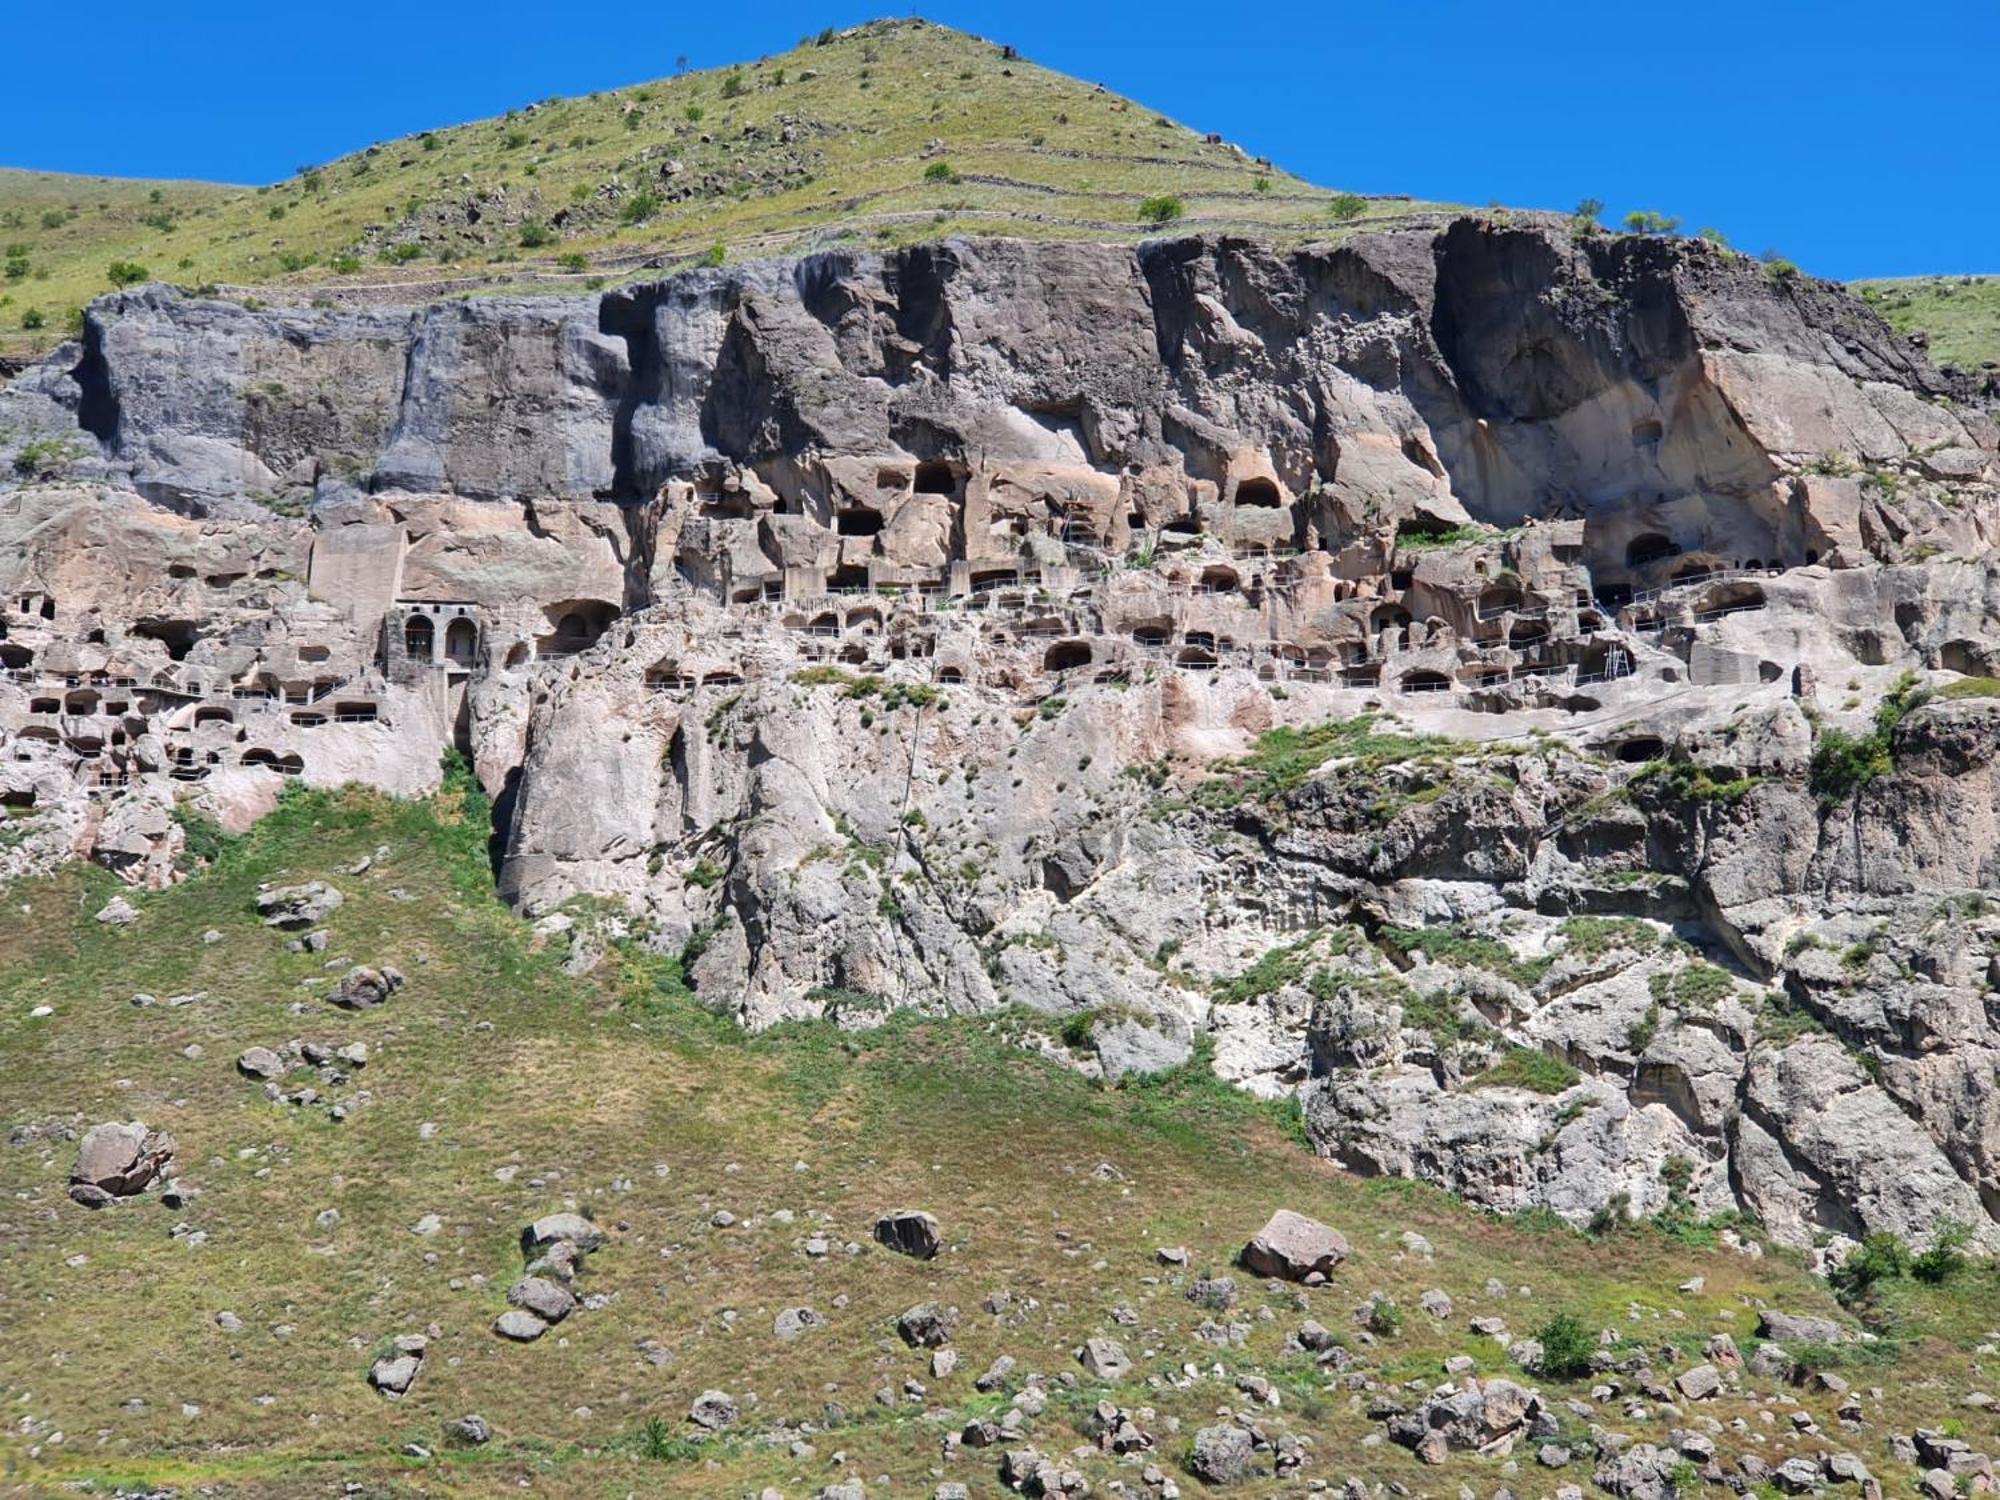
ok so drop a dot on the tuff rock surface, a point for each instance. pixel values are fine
(961, 629)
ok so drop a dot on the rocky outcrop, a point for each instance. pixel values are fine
(1405, 672)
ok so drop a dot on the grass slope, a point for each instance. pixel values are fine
(1960, 313)
(503, 1089)
(891, 132)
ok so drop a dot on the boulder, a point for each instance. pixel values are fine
(1104, 1359)
(563, 1228)
(469, 1431)
(714, 1410)
(119, 1161)
(1792, 1328)
(927, 1325)
(1478, 1417)
(364, 988)
(295, 907)
(1293, 1247)
(1221, 1455)
(909, 1231)
(793, 1322)
(1699, 1383)
(118, 912)
(395, 1372)
(548, 1300)
(260, 1063)
(520, 1325)
(1640, 1472)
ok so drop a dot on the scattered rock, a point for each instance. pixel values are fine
(1221, 1455)
(909, 1231)
(119, 1161)
(260, 1063)
(118, 912)
(795, 1321)
(546, 1299)
(292, 907)
(1104, 1359)
(927, 1325)
(1294, 1248)
(469, 1431)
(714, 1410)
(395, 1372)
(363, 988)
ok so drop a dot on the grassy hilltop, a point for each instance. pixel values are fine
(502, 1089)
(1960, 313)
(891, 132)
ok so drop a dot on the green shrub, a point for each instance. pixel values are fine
(1946, 1256)
(714, 255)
(534, 235)
(1566, 1347)
(344, 264)
(1529, 1068)
(640, 207)
(1347, 206)
(1843, 763)
(733, 86)
(33, 319)
(1163, 209)
(1881, 1256)
(572, 260)
(127, 273)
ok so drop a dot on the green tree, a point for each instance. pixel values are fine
(127, 273)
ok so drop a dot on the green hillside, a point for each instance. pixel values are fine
(227, 1340)
(1960, 313)
(891, 132)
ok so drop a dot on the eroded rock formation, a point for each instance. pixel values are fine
(1394, 669)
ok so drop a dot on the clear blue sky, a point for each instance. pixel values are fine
(1858, 139)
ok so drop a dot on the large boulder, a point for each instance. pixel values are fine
(292, 908)
(562, 1228)
(395, 1372)
(1294, 1248)
(909, 1231)
(119, 1161)
(1486, 1417)
(1221, 1455)
(928, 1325)
(364, 988)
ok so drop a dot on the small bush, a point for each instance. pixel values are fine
(33, 319)
(1566, 1347)
(127, 273)
(1881, 1257)
(534, 235)
(345, 264)
(714, 255)
(572, 260)
(1946, 1256)
(640, 207)
(1162, 210)
(1529, 1068)
(733, 86)
(940, 171)
(1347, 206)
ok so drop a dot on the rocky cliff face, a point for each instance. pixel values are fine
(1434, 675)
